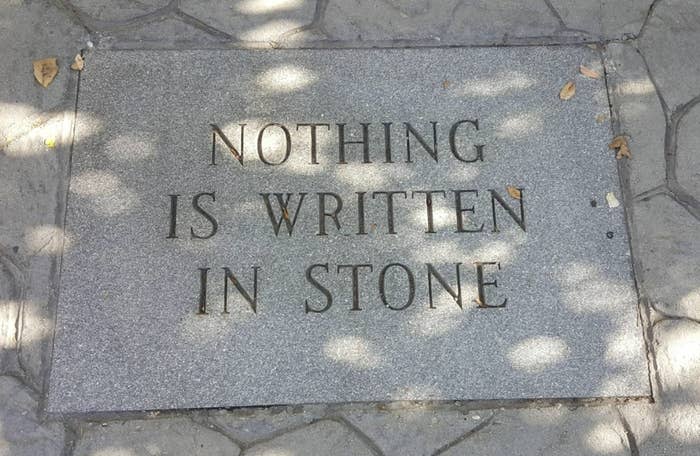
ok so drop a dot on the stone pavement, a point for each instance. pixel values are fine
(652, 64)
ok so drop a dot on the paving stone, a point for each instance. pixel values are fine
(322, 438)
(668, 247)
(688, 152)
(639, 114)
(622, 19)
(671, 426)
(32, 179)
(604, 19)
(414, 432)
(157, 437)
(36, 30)
(118, 10)
(450, 21)
(670, 45)
(257, 424)
(252, 20)
(164, 33)
(555, 431)
(21, 433)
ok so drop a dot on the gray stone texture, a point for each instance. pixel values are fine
(21, 432)
(666, 230)
(319, 439)
(451, 21)
(556, 431)
(688, 152)
(118, 10)
(31, 175)
(640, 116)
(669, 43)
(672, 425)
(253, 20)
(114, 273)
(604, 19)
(251, 425)
(156, 437)
(419, 431)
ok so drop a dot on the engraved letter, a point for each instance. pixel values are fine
(432, 272)
(481, 301)
(411, 286)
(312, 127)
(432, 152)
(355, 281)
(288, 144)
(236, 154)
(429, 205)
(173, 217)
(478, 148)
(321, 288)
(342, 143)
(459, 210)
(283, 204)
(322, 214)
(253, 302)
(389, 207)
(203, 291)
(519, 220)
(205, 214)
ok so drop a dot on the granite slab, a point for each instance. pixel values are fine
(388, 224)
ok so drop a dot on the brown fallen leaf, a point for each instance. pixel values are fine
(620, 143)
(568, 91)
(285, 214)
(78, 63)
(445, 84)
(45, 70)
(589, 73)
(514, 192)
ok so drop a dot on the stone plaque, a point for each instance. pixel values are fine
(283, 227)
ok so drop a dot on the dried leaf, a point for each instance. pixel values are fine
(513, 192)
(589, 73)
(445, 84)
(620, 143)
(45, 70)
(285, 214)
(50, 142)
(568, 91)
(612, 200)
(78, 63)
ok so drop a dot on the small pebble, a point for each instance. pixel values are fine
(612, 200)
(476, 417)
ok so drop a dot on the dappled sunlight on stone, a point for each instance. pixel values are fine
(360, 176)
(585, 289)
(267, 6)
(46, 240)
(286, 78)
(622, 349)
(129, 147)
(604, 439)
(446, 317)
(500, 250)
(635, 87)
(269, 29)
(49, 135)
(8, 330)
(519, 125)
(683, 422)
(499, 84)
(351, 350)
(538, 353)
(115, 452)
(109, 194)
(691, 299)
